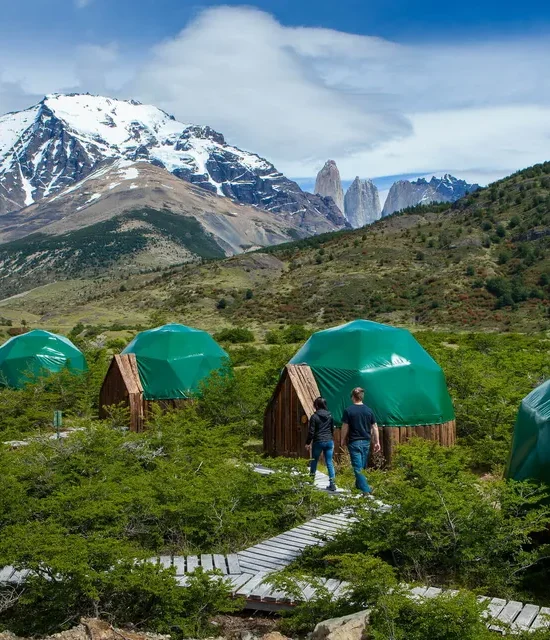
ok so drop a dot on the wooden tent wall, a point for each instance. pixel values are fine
(287, 415)
(390, 437)
(122, 384)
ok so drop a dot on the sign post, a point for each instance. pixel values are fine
(57, 421)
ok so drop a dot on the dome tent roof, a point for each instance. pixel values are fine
(35, 353)
(403, 384)
(530, 452)
(173, 359)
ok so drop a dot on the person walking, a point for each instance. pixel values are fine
(358, 429)
(320, 439)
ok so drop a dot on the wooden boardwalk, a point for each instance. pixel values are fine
(248, 570)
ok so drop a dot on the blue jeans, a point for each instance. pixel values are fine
(327, 448)
(359, 455)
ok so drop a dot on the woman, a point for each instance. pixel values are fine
(320, 439)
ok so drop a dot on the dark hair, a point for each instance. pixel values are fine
(358, 394)
(319, 403)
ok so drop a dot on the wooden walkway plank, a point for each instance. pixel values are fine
(192, 563)
(526, 617)
(206, 562)
(289, 554)
(510, 611)
(219, 563)
(418, 592)
(284, 558)
(251, 584)
(432, 592)
(233, 563)
(238, 581)
(542, 620)
(268, 561)
(165, 561)
(179, 564)
(496, 605)
(6, 573)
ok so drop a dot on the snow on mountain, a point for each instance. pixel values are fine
(60, 141)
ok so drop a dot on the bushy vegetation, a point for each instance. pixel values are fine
(79, 511)
(74, 509)
(234, 335)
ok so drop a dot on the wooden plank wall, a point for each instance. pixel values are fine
(285, 422)
(122, 385)
(390, 437)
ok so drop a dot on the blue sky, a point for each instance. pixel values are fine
(150, 20)
(384, 87)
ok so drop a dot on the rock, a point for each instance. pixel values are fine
(404, 193)
(362, 203)
(346, 628)
(274, 635)
(328, 184)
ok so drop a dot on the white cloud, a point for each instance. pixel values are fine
(301, 95)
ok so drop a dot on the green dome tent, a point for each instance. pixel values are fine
(530, 453)
(172, 360)
(403, 384)
(36, 353)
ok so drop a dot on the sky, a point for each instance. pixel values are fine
(384, 87)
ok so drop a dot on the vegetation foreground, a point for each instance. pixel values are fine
(79, 511)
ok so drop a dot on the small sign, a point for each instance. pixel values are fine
(57, 419)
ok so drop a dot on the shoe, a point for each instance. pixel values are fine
(331, 486)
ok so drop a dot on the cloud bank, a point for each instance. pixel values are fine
(301, 95)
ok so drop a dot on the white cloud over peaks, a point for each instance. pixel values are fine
(301, 95)
(241, 72)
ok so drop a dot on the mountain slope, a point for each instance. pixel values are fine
(127, 216)
(60, 141)
(481, 263)
(405, 193)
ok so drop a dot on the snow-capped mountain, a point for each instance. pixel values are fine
(61, 140)
(406, 193)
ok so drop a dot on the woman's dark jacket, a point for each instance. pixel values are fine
(321, 427)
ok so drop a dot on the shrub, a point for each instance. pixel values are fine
(447, 527)
(234, 335)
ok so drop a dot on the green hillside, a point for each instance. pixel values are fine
(479, 263)
(116, 244)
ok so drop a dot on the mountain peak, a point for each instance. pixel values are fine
(405, 193)
(328, 184)
(65, 137)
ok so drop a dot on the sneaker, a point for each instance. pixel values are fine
(331, 486)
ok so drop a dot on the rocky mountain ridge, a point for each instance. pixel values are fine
(406, 193)
(61, 140)
(361, 202)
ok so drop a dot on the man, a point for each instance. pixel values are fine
(358, 428)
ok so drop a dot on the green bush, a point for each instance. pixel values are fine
(447, 527)
(234, 335)
(445, 617)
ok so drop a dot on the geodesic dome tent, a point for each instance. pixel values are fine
(403, 384)
(530, 453)
(37, 353)
(164, 365)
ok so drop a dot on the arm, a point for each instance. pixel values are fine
(310, 432)
(345, 434)
(375, 438)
